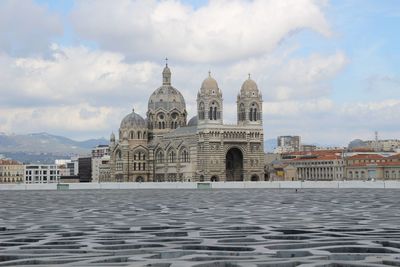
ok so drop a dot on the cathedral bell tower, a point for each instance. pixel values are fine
(209, 102)
(249, 104)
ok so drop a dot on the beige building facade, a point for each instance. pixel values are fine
(11, 171)
(373, 167)
(165, 147)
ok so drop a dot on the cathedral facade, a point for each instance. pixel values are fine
(165, 147)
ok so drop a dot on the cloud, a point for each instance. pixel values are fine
(217, 32)
(76, 75)
(285, 77)
(326, 122)
(63, 120)
(27, 28)
(73, 74)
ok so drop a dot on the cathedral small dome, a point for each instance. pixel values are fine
(209, 86)
(193, 121)
(133, 120)
(249, 86)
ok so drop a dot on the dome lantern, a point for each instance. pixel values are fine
(166, 74)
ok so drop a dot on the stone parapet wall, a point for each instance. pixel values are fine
(390, 184)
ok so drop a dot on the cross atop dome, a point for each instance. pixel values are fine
(166, 62)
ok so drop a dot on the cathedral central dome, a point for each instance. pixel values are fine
(166, 97)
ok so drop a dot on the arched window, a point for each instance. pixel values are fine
(242, 112)
(171, 156)
(131, 135)
(201, 111)
(184, 155)
(160, 156)
(139, 135)
(253, 113)
(214, 113)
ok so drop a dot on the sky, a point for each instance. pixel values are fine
(328, 71)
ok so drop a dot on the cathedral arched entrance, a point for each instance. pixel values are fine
(139, 179)
(214, 178)
(254, 178)
(234, 165)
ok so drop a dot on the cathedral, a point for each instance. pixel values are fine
(165, 147)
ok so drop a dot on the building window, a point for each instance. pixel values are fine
(201, 111)
(214, 113)
(171, 156)
(242, 112)
(160, 157)
(184, 156)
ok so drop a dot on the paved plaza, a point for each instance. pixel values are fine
(217, 228)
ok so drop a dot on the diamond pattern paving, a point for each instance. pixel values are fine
(217, 228)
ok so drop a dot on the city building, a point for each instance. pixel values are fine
(11, 171)
(100, 161)
(373, 167)
(319, 166)
(388, 145)
(165, 147)
(308, 148)
(287, 144)
(41, 173)
(104, 170)
(85, 169)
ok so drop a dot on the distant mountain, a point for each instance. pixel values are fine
(36, 144)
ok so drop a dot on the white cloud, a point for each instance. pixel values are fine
(57, 119)
(285, 77)
(73, 74)
(99, 78)
(326, 122)
(219, 31)
(27, 28)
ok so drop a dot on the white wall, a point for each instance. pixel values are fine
(215, 185)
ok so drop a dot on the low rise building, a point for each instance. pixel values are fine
(11, 171)
(41, 173)
(373, 166)
(100, 163)
(104, 170)
(319, 165)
